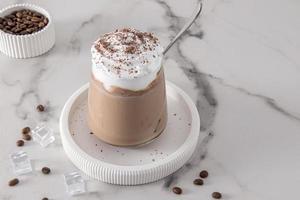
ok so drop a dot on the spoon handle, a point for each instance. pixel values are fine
(185, 28)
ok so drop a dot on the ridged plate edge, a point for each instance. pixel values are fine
(129, 175)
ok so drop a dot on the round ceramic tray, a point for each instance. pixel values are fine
(131, 165)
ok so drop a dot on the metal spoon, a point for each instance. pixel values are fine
(185, 28)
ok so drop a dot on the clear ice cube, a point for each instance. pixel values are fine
(74, 183)
(43, 135)
(21, 163)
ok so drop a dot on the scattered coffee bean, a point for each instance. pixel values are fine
(26, 130)
(13, 182)
(177, 190)
(203, 174)
(40, 108)
(45, 198)
(91, 133)
(198, 181)
(27, 137)
(22, 22)
(216, 195)
(46, 170)
(20, 143)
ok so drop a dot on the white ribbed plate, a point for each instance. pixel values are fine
(131, 165)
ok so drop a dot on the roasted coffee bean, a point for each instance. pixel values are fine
(37, 15)
(13, 182)
(35, 19)
(27, 22)
(177, 190)
(22, 26)
(30, 25)
(11, 23)
(16, 30)
(27, 137)
(35, 29)
(41, 24)
(19, 14)
(203, 174)
(1, 26)
(29, 30)
(198, 181)
(216, 195)
(46, 170)
(26, 130)
(20, 143)
(23, 32)
(45, 198)
(40, 108)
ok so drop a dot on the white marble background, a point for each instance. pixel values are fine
(240, 63)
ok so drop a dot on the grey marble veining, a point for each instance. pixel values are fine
(239, 62)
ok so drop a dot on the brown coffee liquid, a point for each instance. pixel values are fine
(125, 118)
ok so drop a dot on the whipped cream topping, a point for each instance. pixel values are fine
(127, 58)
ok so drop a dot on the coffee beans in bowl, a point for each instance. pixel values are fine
(26, 31)
(23, 22)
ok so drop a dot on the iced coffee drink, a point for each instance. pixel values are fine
(127, 98)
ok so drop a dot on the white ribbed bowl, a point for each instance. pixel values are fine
(31, 45)
(131, 165)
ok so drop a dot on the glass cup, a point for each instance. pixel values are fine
(125, 118)
(127, 95)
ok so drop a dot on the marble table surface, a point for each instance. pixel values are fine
(240, 63)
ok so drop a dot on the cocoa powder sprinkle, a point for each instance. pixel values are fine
(124, 46)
